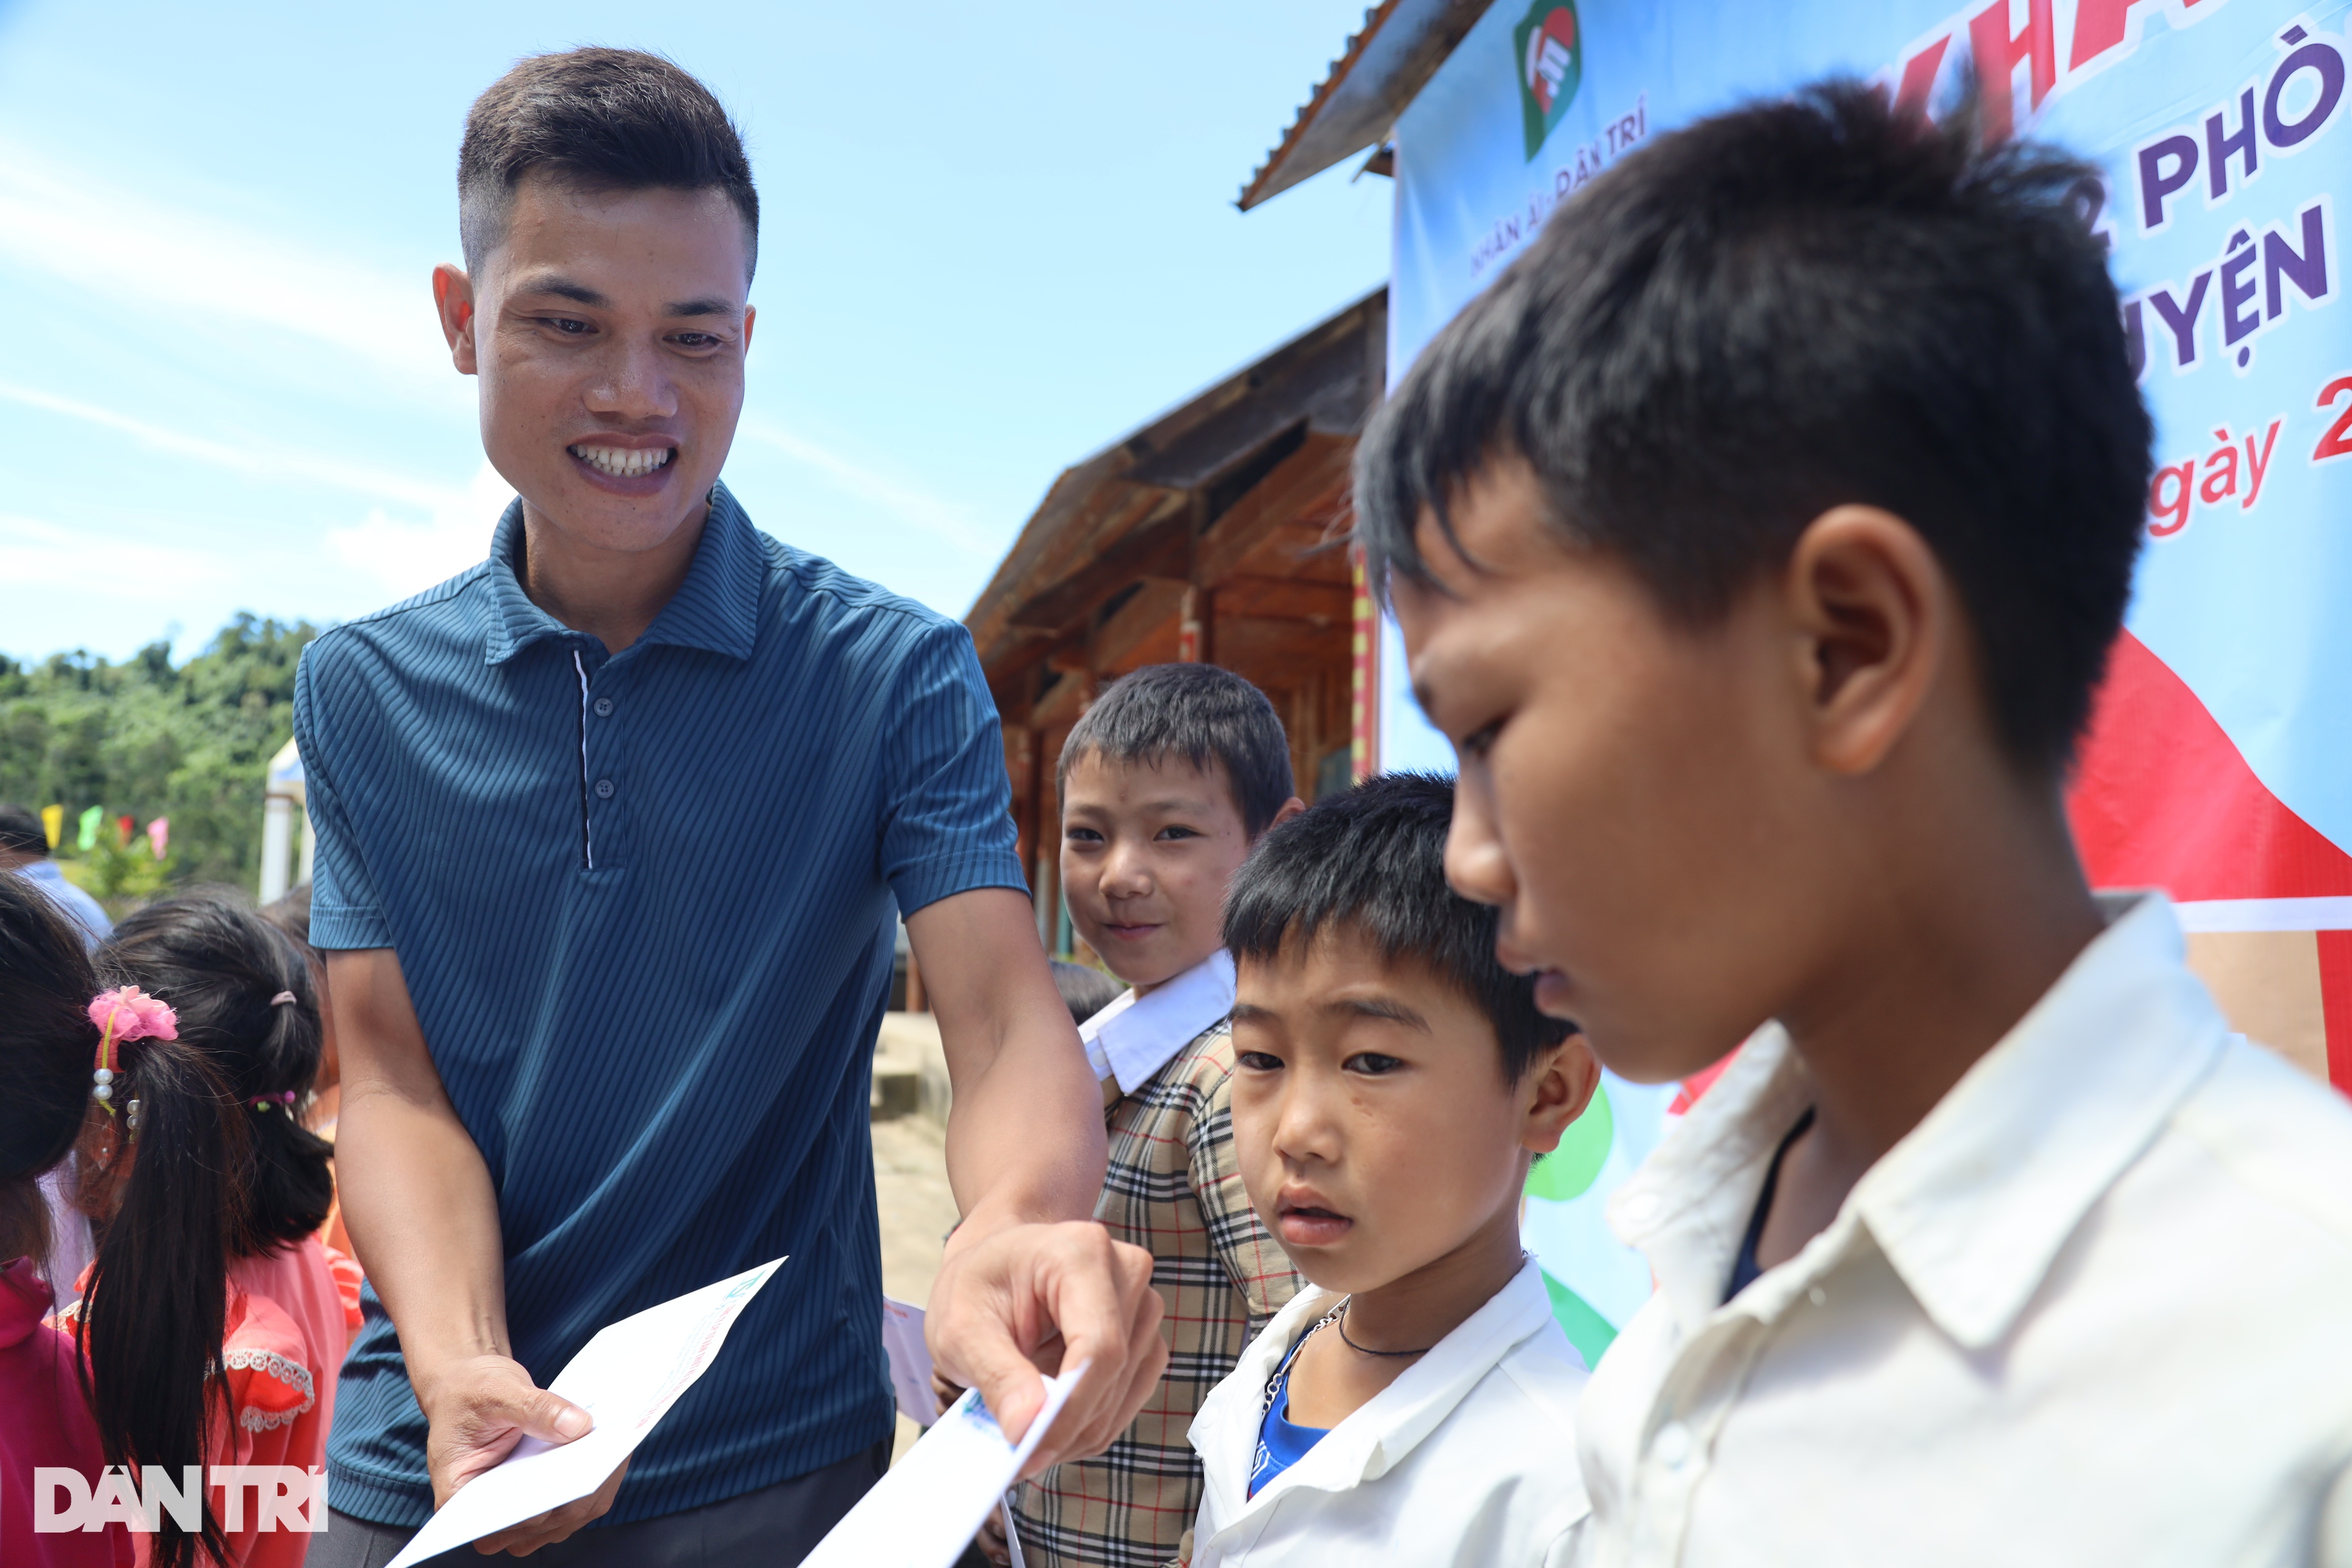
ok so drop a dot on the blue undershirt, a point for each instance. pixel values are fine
(1280, 1443)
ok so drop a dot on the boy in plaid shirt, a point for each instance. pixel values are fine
(1165, 785)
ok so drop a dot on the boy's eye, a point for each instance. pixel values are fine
(1175, 830)
(1258, 1061)
(1479, 741)
(1373, 1064)
(1083, 835)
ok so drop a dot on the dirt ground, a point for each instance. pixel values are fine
(910, 1183)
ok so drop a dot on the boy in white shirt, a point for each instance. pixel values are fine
(1393, 1085)
(1758, 538)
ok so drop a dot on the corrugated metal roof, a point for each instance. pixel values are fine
(1402, 44)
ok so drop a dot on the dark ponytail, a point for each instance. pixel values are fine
(220, 1167)
(47, 1048)
(151, 1317)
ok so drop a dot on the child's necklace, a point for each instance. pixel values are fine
(1340, 1319)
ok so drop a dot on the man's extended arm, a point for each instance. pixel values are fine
(417, 1199)
(1028, 1278)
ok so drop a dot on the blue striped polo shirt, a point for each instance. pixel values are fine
(644, 904)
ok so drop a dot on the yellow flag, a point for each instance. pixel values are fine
(53, 822)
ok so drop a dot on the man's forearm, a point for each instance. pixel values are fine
(1024, 1140)
(418, 1202)
(1025, 1129)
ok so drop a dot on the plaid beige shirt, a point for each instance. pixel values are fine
(1174, 1185)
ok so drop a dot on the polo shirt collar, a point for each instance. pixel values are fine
(1973, 1205)
(1385, 1430)
(715, 608)
(1134, 1037)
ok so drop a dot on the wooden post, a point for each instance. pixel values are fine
(1364, 728)
(1195, 621)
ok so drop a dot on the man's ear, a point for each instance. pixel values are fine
(1555, 1091)
(453, 297)
(1873, 612)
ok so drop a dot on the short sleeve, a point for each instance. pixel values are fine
(947, 816)
(1253, 1259)
(345, 910)
(269, 1380)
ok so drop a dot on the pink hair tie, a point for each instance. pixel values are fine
(124, 1014)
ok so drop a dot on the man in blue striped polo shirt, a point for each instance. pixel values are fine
(610, 831)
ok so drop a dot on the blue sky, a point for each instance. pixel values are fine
(993, 238)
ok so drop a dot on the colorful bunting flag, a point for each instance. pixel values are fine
(159, 836)
(89, 821)
(53, 823)
(124, 826)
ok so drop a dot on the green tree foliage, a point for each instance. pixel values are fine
(145, 739)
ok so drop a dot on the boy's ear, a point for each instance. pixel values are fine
(1290, 808)
(1555, 1091)
(1872, 610)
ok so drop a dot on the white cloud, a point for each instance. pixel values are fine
(407, 557)
(102, 570)
(130, 249)
(267, 461)
(940, 518)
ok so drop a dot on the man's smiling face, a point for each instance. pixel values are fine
(609, 330)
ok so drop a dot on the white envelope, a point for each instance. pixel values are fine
(627, 1377)
(925, 1511)
(910, 1361)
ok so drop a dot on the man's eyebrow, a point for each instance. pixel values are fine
(712, 306)
(562, 289)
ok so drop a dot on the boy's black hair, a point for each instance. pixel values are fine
(1201, 713)
(605, 120)
(1794, 305)
(1373, 861)
(1085, 992)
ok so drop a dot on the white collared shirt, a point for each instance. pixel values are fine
(2096, 1308)
(1135, 1035)
(1466, 1459)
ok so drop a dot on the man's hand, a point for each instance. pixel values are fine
(1047, 1296)
(478, 1410)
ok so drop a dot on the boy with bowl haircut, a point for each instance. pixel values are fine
(1165, 784)
(1758, 538)
(1395, 1085)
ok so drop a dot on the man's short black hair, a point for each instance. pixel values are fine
(21, 832)
(1373, 861)
(603, 120)
(1790, 306)
(1199, 713)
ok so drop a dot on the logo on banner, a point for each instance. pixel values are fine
(1551, 63)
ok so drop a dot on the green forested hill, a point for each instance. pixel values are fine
(145, 739)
